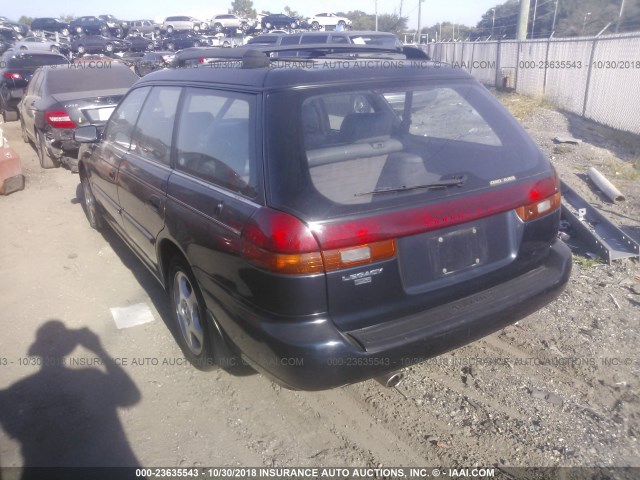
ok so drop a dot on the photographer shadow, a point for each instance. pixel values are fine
(68, 417)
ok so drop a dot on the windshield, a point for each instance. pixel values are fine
(78, 78)
(388, 146)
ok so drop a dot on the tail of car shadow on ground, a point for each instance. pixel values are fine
(66, 415)
(229, 362)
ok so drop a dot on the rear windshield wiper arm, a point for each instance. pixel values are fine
(442, 183)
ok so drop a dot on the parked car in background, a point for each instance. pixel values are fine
(98, 44)
(229, 21)
(60, 99)
(16, 70)
(21, 30)
(323, 20)
(118, 28)
(89, 25)
(41, 44)
(50, 24)
(4, 45)
(335, 232)
(278, 20)
(145, 27)
(180, 40)
(138, 43)
(183, 23)
(382, 39)
(153, 61)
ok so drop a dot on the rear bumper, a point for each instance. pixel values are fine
(312, 354)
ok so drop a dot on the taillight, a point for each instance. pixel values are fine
(12, 76)
(281, 243)
(59, 119)
(544, 198)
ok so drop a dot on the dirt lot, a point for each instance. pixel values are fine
(560, 388)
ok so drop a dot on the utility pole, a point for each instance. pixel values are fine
(493, 22)
(533, 27)
(584, 23)
(376, 15)
(620, 16)
(523, 19)
(419, 20)
(555, 14)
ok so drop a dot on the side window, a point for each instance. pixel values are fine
(153, 132)
(214, 139)
(290, 40)
(339, 39)
(311, 39)
(124, 118)
(32, 84)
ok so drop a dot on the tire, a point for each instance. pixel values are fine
(65, 32)
(226, 44)
(244, 27)
(10, 116)
(217, 28)
(342, 23)
(23, 47)
(46, 160)
(81, 49)
(90, 206)
(108, 47)
(78, 30)
(196, 28)
(190, 315)
(55, 49)
(23, 129)
(315, 26)
(268, 25)
(171, 47)
(293, 25)
(169, 29)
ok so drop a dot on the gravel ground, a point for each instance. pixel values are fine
(560, 388)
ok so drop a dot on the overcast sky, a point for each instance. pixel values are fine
(467, 12)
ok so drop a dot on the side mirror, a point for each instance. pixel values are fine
(86, 134)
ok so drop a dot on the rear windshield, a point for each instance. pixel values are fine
(354, 151)
(79, 79)
(35, 61)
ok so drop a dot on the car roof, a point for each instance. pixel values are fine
(290, 72)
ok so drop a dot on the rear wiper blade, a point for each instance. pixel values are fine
(442, 183)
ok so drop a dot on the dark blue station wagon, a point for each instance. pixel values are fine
(331, 220)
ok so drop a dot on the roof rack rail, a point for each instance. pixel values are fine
(260, 56)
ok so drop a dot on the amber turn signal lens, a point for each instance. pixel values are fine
(540, 208)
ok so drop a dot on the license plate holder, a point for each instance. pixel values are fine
(458, 250)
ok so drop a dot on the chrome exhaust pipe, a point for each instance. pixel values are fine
(390, 380)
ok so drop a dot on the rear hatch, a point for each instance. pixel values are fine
(416, 195)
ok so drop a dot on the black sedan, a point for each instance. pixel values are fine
(60, 99)
(279, 20)
(16, 70)
(48, 24)
(178, 41)
(138, 43)
(89, 24)
(98, 44)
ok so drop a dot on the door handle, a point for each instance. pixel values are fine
(155, 202)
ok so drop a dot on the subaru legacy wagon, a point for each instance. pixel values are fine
(331, 220)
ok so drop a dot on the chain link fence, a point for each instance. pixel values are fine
(596, 77)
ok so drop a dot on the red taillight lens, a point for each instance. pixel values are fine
(12, 76)
(59, 119)
(281, 243)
